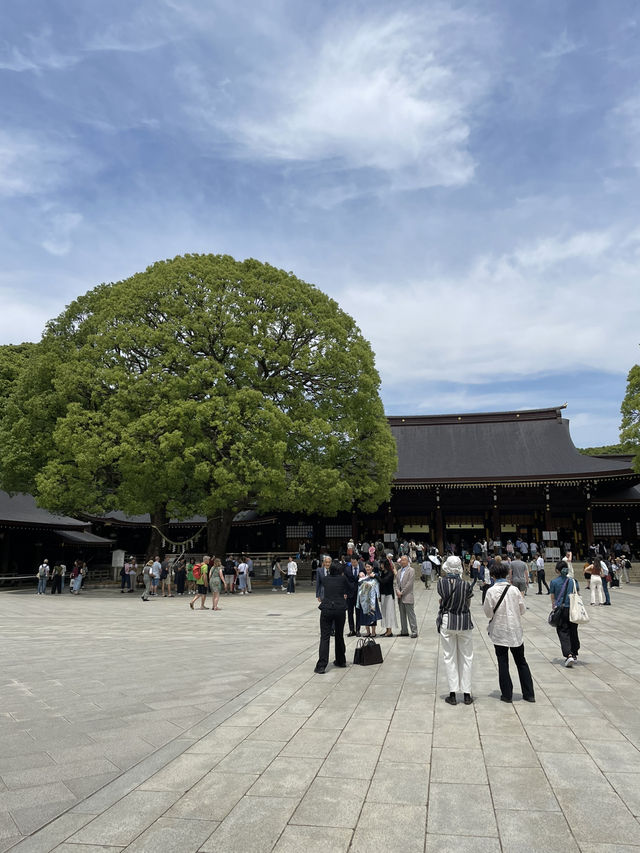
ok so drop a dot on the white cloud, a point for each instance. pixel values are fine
(23, 314)
(562, 46)
(393, 95)
(37, 163)
(37, 54)
(30, 165)
(59, 232)
(585, 246)
(521, 315)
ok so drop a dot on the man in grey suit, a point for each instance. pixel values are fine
(404, 594)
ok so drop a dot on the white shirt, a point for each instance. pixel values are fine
(242, 568)
(292, 568)
(506, 627)
(540, 563)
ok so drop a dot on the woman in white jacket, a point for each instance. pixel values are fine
(504, 605)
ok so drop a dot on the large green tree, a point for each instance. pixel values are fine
(202, 385)
(630, 428)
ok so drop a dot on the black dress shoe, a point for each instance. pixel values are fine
(403, 635)
(529, 698)
(451, 698)
(341, 665)
(351, 634)
(468, 699)
(319, 670)
(505, 699)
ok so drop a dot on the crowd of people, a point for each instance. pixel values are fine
(55, 575)
(371, 589)
(361, 588)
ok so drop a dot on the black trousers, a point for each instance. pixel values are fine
(524, 673)
(568, 635)
(331, 620)
(541, 580)
(56, 585)
(353, 614)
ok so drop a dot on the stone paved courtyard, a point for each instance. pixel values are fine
(148, 727)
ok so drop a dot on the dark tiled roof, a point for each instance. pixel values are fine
(493, 446)
(21, 510)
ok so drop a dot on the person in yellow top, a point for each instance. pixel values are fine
(201, 575)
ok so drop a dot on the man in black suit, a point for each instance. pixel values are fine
(352, 569)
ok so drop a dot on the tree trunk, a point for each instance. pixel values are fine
(159, 520)
(218, 529)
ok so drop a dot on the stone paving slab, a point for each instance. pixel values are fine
(247, 749)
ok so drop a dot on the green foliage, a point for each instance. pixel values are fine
(630, 428)
(201, 385)
(608, 450)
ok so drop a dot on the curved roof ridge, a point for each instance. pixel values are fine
(551, 413)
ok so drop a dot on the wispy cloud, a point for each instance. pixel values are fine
(393, 95)
(550, 251)
(59, 232)
(31, 164)
(520, 315)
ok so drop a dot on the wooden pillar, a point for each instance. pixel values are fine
(355, 527)
(588, 528)
(495, 524)
(439, 531)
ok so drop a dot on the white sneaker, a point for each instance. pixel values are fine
(570, 661)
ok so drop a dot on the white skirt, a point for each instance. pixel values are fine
(388, 610)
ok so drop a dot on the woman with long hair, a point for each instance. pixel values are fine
(216, 582)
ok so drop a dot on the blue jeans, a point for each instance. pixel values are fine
(605, 589)
(42, 585)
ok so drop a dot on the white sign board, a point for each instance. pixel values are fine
(117, 559)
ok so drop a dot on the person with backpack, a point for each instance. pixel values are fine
(230, 574)
(505, 607)
(201, 575)
(625, 565)
(43, 576)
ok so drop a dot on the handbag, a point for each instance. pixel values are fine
(367, 652)
(504, 592)
(555, 617)
(577, 611)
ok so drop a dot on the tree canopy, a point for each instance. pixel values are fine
(630, 428)
(202, 385)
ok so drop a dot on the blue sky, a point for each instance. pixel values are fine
(462, 177)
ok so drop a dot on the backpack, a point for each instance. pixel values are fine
(164, 574)
(197, 571)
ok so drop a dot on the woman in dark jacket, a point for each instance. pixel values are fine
(333, 610)
(387, 596)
